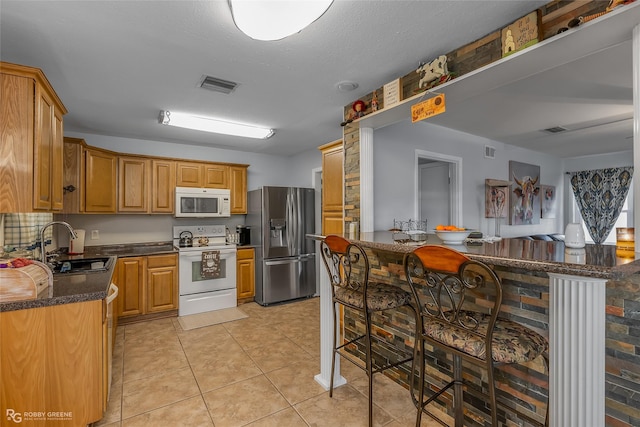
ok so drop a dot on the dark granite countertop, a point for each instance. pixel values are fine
(69, 288)
(598, 261)
(128, 250)
(77, 287)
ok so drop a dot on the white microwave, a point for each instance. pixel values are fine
(202, 202)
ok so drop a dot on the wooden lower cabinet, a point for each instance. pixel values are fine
(162, 283)
(51, 361)
(147, 285)
(129, 278)
(246, 274)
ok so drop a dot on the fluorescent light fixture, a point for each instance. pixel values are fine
(209, 124)
(275, 19)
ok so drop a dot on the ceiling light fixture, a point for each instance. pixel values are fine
(346, 86)
(209, 124)
(275, 20)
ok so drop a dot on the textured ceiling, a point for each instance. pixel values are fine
(116, 64)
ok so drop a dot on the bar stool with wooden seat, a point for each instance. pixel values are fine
(459, 302)
(348, 268)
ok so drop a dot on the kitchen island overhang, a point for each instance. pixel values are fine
(578, 307)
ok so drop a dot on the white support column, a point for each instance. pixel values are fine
(576, 351)
(636, 130)
(326, 333)
(366, 180)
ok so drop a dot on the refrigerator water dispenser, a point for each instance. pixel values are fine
(278, 230)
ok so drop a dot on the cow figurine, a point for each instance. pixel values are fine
(432, 70)
(527, 191)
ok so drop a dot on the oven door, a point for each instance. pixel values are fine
(191, 280)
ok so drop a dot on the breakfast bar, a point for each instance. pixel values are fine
(581, 300)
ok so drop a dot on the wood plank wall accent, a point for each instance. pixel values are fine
(351, 174)
(622, 365)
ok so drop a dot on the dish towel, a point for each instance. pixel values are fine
(210, 265)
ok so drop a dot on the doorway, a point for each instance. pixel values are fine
(438, 189)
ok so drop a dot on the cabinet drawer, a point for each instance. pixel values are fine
(246, 253)
(155, 261)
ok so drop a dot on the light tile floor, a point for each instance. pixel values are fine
(257, 371)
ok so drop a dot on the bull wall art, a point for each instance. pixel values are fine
(524, 203)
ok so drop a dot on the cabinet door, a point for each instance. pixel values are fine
(130, 282)
(163, 183)
(100, 181)
(332, 223)
(246, 284)
(57, 162)
(189, 174)
(133, 181)
(332, 182)
(16, 143)
(43, 151)
(74, 365)
(23, 335)
(216, 176)
(162, 283)
(238, 177)
(332, 188)
(71, 175)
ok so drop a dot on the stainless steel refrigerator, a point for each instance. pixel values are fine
(279, 219)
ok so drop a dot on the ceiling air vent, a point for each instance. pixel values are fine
(489, 152)
(555, 129)
(216, 84)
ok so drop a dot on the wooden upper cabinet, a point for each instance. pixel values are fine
(189, 174)
(163, 183)
(57, 164)
(133, 184)
(100, 179)
(202, 175)
(30, 141)
(332, 188)
(238, 184)
(216, 176)
(71, 177)
(104, 181)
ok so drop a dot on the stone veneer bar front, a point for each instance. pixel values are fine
(589, 312)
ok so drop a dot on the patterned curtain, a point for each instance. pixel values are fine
(600, 195)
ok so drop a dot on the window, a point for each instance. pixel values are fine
(624, 220)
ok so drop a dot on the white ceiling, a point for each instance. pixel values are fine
(116, 64)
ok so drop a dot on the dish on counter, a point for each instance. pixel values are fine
(453, 237)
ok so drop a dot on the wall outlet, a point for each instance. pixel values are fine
(95, 234)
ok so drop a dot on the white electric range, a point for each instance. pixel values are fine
(200, 294)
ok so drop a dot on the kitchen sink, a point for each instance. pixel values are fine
(83, 265)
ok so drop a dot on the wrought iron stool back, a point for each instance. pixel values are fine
(459, 302)
(348, 267)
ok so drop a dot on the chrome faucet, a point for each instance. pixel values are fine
(43, 253)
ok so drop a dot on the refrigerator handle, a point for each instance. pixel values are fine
(290, 223)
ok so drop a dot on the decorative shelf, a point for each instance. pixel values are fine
(598, 35)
